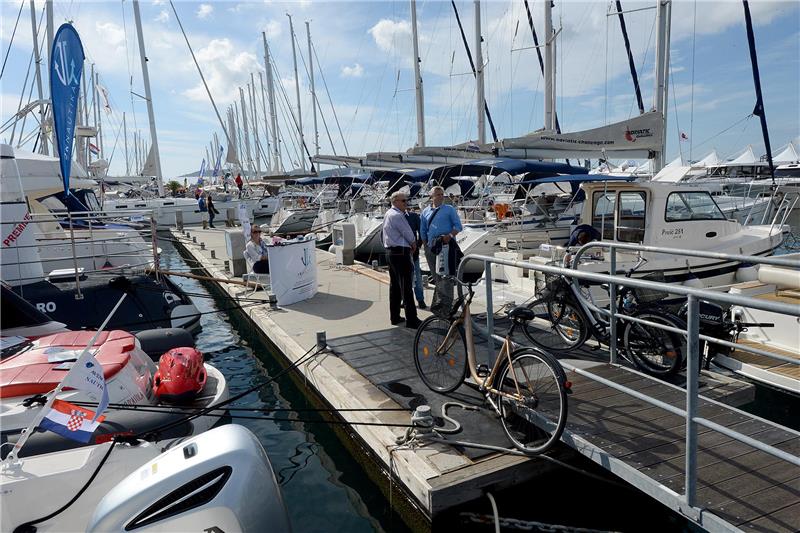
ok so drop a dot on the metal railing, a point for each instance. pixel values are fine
(691, 334)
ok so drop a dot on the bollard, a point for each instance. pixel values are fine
(202, 246)
(227, 265)
(194, 240)
(188, 234)
(374, 264)
(322, 340)
(213, 254)
(273, 301)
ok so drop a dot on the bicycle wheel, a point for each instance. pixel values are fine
(535, 422)
(655, 351)
(560, 327)
(441, 365)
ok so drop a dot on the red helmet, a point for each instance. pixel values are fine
(180, 376)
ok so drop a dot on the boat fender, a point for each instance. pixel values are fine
(155, 342)
(180, 376)
(746, 272)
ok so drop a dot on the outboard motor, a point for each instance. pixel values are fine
(713, 323)
(180, 376)
(220, 480)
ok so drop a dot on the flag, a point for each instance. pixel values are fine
(94, 149)
(104, 95)
(219, 161)
(202, 169)
(684, 137)
(86, 375)
(71, 421)
(66, 66)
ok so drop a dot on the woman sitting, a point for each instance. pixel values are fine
(256, 252)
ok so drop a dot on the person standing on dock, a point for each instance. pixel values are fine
(239, 184)
(414, 222)
(440, 223)
(400, 243)
(212, 211)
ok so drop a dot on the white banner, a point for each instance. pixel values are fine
(293, 270)
(244, 219)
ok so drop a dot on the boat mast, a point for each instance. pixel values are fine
(38, 60)
(313, 94)
(297, 91)
(251, 92)
(243, 110)
(125, 134)
(663, 21)
(418, 79)
(267, 161)
(759, 109)
(149, 99)
(549, 68)
(273, 118)
(99, 120)
(480, 100)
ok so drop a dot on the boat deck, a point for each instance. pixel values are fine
(370, 367)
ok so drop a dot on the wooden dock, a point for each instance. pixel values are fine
(370, 367)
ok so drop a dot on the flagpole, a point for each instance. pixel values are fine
(26, 433)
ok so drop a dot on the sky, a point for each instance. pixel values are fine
(364, 72)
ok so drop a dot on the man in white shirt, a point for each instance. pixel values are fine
(400, 243)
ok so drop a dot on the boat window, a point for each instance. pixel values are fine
(603, 213)
(694, 205)
(90, 199)
(631, 216)
(53, 204)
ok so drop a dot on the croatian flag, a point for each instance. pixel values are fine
(86, 375)
(71, 421)
(94, 149)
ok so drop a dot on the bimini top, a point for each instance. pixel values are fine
(409, 175)
(311, 180)
(575, 181)
(495, 166)
(348, 180)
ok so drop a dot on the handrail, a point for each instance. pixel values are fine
(692, 337)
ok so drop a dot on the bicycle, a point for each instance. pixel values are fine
(527, 387)
(572, 320)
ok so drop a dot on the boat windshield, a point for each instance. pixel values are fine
(692, 205)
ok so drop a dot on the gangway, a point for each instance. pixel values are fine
(722, 468)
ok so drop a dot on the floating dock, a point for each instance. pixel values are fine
(369, 367)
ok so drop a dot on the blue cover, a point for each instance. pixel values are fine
(495, 166)
(66, 66)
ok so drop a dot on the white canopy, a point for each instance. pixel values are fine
(788, 155)
(745, 158)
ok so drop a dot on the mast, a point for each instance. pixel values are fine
(251, 92)
(266, 121)
(631, 63)
(148, 98)
(297, 91)
(480, 100)
(243, 111)
(549, 69)
(313, 94)
(663, 21)
(273, 119)
(37, 58)
(418, 79)
(759, 109)
(125, 134)
(99, 119)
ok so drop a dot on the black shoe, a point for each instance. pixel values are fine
(397, 320)
(421, 305)
(413, 323)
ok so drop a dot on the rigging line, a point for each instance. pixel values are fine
(21, 97)
(726, 129)
(474, 71)
(330, 100)
(287, 112)
(315, 100)
(301, 147)
(631, 62)
(11, 42)
(539, 54)
(691, 108)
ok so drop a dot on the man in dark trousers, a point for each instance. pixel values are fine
(414, 222)
(400, 243)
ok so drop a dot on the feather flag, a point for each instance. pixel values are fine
(71, 421)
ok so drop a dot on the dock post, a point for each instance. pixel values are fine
(179, 219)
(213, 254)
(612, 317)
(692, 370)
(487, 270)
(230, 217)
(202, 246)
(194, 240)
(227, 265)
(322, 340)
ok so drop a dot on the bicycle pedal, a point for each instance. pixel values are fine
(482, 371)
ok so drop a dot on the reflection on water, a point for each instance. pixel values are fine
(324, 488)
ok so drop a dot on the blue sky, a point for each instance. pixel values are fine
(364, 54)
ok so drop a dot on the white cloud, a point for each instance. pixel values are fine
(204, 10)
(225, 69)
(110, 33)
(272, 28)
(163, 16)
(356, 71)
(392, 36)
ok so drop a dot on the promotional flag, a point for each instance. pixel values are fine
(66, 65)
(202, 169)
(71, 421)
(219, 161)
(86, 375)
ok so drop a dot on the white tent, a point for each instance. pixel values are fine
(709, 160)
(745, 158)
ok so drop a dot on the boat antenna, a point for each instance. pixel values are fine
(759, 109)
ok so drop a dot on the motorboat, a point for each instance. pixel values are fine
(30, 369)
(219, 480)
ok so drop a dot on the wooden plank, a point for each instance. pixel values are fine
(749, 482)
(780, 521)
(762, 504)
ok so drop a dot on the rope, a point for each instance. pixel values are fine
(11, 42)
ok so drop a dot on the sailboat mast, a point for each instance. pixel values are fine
(313, 94)
(38, 73)
(663, 21)
(759, 109)
(149, 99)
(480, 98)
(251, 92)
(418, 78)
(273, 118)
(297, 91)
(243, 110)
(549, 69)
(266, 121)
(125, 134)
(99, 119)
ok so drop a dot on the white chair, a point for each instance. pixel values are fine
(257, 280)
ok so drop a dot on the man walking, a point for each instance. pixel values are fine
(400, 244)
(440, 223)
(414, 222)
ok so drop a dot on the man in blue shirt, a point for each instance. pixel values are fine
(400, 243)
(440, 223)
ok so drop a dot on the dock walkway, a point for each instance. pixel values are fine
(370, 367)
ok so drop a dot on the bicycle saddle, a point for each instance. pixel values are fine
(521, 314)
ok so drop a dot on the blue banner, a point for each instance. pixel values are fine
(66, 66)
(219, 160)
(202, 172)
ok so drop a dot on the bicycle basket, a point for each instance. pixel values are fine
(651, 295)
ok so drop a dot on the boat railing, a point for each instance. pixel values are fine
(688, 499)
(92, 232)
